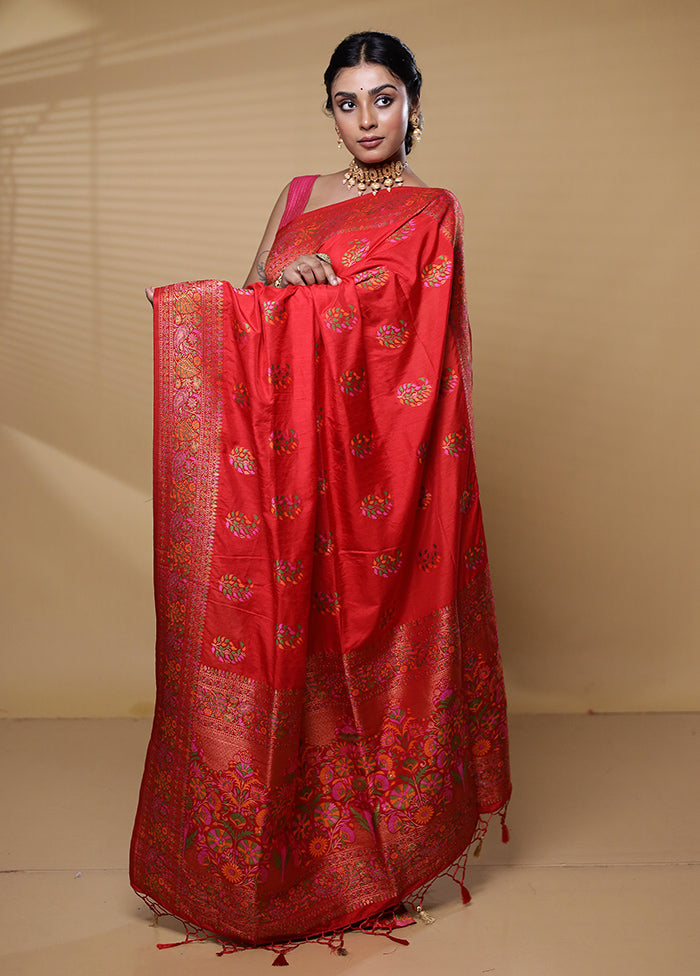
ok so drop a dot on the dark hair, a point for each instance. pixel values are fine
(373, 47)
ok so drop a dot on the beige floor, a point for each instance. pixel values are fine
(602, 875)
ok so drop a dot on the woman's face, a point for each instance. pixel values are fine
(371, 109)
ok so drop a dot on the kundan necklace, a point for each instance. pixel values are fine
(374, 178)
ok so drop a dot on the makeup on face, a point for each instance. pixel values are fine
(371, 109)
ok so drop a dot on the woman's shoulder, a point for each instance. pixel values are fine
(326, 190)
(442, 206)
(446, 198)
(438, 199)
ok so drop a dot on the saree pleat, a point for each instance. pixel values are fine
(330, 725)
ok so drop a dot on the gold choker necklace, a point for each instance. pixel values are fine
(374, 177)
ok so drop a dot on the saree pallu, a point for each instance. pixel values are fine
(330, 729)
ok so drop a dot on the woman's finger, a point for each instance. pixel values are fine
(315, 269)
(327, 271)
(311, 269)
(305, 274)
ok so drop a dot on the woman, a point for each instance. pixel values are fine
(330, 732)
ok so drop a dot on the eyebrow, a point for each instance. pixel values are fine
(372, 91)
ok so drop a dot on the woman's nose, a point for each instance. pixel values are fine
(367, 119)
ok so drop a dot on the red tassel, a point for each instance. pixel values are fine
(505, 833)
(466, 897)
(394, 939)
(281, 959)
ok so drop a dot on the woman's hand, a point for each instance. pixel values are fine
(309, 269)
(149, 294)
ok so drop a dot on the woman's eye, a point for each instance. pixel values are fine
(384, 101)
(346, 105)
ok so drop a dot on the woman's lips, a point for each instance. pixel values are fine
(370, 143)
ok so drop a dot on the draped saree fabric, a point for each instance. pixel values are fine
(330, 728)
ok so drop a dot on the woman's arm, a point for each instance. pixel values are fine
(306, 269)
(257, 272)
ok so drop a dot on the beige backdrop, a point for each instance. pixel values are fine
(145, 143)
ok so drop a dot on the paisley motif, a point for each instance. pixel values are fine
(362, 445)
(288, 637)
(339, 319)
(242, 526)
(415, 394)
(187, 372)
(356, 252)
(352, 381)
(371, 279)
(456, 442)
(324, 543)
(326, 603)
(236, 589)
(387, 563)
(274, 312)
(475, 555)
(227, 650)
(240, 395)
(449, 380)
(241, 329)
(242, 460)
(393, 335)
(403, 232)
(438, 273)
(288, 571)
(285, 506)
(284, 441)
(279, 375)
(376, 506)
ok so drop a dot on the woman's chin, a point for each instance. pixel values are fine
(377, 156)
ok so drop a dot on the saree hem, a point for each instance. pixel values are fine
(393, 913)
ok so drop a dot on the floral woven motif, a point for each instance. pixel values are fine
(372, 279)
(243, 461)
(340, 319)
(288, 571)
(243, 526)
(362, 445)
(393, 335)
(414, 394)
(228, 650)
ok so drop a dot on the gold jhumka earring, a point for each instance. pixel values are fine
(416, 121)
(340, 138)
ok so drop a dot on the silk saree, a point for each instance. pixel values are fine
(330, 729)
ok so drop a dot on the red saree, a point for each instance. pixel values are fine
(330, 729)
